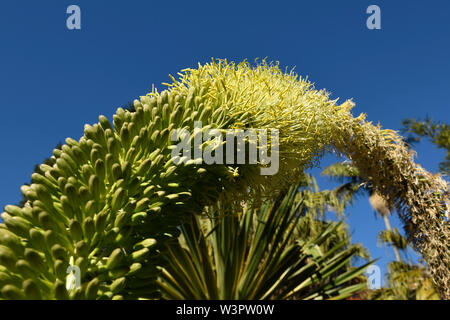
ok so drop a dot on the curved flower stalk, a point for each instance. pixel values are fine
(115, 196)
(310, 124)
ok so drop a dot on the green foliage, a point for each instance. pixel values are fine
(343, 171)
(318, 201)
(261, 253)
(394, 238)
(437, 132)
(352, 184)
(406, 282)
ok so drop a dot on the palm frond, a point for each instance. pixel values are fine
(342, 171)
(407, 282)
(393, 238)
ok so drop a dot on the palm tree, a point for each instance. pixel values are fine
(406, 280)
(354, 184)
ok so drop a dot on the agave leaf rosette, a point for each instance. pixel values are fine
(259, 253)
(115, 196)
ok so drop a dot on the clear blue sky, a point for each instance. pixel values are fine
(53, 80)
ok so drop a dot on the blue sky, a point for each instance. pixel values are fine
(54, 80)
